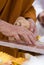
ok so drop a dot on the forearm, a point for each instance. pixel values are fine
(4, 25)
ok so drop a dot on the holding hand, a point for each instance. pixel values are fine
(27, 23)
(17, 31)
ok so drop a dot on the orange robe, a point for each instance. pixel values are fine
(10, 10)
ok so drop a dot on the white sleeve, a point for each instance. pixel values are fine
(38, 6)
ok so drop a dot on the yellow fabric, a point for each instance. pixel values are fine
(14, 52)
(6, 58)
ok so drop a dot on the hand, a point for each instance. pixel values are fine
(21, 21)
(29, 24)
(17, 31)
(24, 33)
(41, 18)
(33, 28)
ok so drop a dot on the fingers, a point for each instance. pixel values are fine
(33, 28)
(16, 37)
(35, 33)
(27, 35)
(26, 38)
(31, 22)
(32, 25)
(31, 37)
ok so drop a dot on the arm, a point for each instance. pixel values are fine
(5, 27)
(14, 31)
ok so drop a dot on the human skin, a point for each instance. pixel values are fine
(14, 31)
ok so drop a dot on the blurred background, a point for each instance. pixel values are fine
(39, 6)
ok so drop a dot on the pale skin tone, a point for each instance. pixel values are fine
(15, 30)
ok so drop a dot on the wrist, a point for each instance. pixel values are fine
(4, 26)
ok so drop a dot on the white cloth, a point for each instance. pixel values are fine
(40, 29)
(35, 60)
(39, 6)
